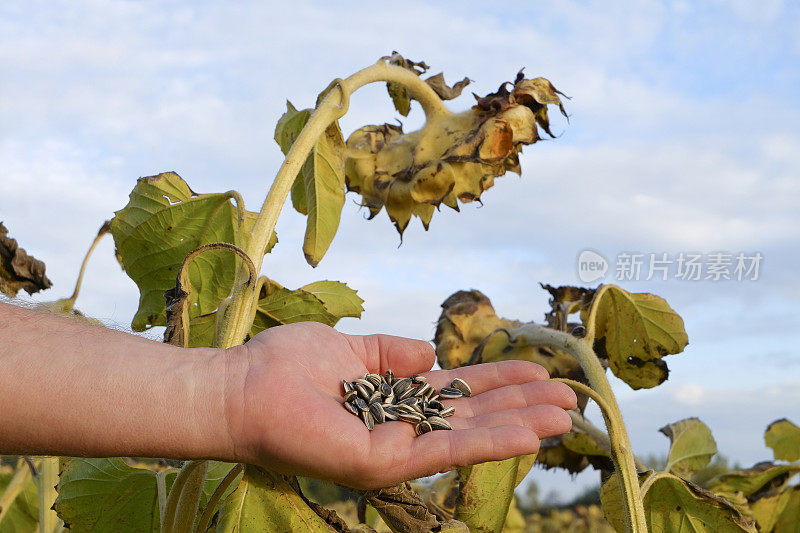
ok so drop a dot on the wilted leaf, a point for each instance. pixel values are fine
(440, 495)
(486, 493)
(691, 449)
(564, 301)
(265, 502)
(674, 505)
(402, 509)
(18, 270)
(784, 438)
(161, 224)
(107, 495)
(760, 478)
(634, 331)
(454, 157)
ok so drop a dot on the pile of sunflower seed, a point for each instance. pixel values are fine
(377, 399)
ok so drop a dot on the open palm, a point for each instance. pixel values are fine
(287, 415)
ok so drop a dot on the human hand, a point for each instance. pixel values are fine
(284, 408)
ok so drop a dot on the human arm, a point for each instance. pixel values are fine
(69, 388)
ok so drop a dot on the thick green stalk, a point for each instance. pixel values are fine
(334, 105)
(46, 485)
(536, 335)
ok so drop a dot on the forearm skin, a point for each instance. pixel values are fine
(73, 389)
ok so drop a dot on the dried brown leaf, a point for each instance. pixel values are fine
(18, 270)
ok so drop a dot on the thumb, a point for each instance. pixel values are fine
(400, 355)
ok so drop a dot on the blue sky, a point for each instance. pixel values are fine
(683, 136)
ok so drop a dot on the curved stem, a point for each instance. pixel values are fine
(599, 436)
(536, 335)
(208, 512)
(331, 107)
(69, 303)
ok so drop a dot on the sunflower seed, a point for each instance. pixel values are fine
(347, 386)
(435, 404)
(447, 393)
(423, 389)
(389, 400)
(375, 379)
(423, 427)
(368, 420)
(386, 389)
(408, 393)
(352, 408)
(438, 422)
(461, 385)
(430, 412)
(409, 417)
(417, 379)
(377, 413)
(361, 404)
(389, 377)
(412, 402)
(390, 413)
(350, 395)
(400, 385)
(363, 390)
(450, 411)
(375, 398)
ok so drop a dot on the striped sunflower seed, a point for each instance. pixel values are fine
(461, 385)
(377, 412)
(389, 377)
(450, 411)
(375, 379)
(368, 420)
(438, 422)
(447, 393)
(423, 427)
(352, 408)
(347, 386)
(361, 404)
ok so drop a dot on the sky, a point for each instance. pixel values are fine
(682, 137)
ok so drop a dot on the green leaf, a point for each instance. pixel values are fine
(691, 449)
(265, 502)
(323, 174)
(768, 509)
(784, 438)
(790, 516)
(581, 443)
(754, 479)
(486, 493)
(161, 224)
(635, 331)
(107, 495)
(217, 470)
(289, 127)
(674, 505)
(339, 299)
(22, 515)
(318, 190)
(526, 462)
(283, 306)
